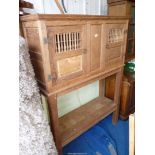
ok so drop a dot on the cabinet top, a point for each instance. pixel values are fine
(34, 17)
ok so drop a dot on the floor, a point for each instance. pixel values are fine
(102, 139)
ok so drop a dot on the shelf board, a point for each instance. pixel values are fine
(81, 119)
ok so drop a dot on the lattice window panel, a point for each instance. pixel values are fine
(67, 41)
(115, 35)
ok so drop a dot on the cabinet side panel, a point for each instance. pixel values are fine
(32, 37)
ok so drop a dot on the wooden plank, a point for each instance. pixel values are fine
(33, 39)
(70, 86)
(62, 17)
(84, 117)
(69, 54)
(33, 24)
(88, 44)
(69, 66)
(65, 23)
(35, 55)
(118, 85)
(95, 45)
(39, 70)
(53, 111)
(114, 53)
(132, 134)
(45, 53)
(118, 10)
(102, 88)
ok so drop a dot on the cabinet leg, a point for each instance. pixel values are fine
(54, 122)
(118, 85)
(102, 87)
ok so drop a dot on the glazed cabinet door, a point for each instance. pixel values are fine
(67, 47)
(116, 35)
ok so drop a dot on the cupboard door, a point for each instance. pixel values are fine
(68, 51)
(95, 46)
(115, 44)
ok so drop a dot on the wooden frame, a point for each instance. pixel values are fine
(48, 38)
(132, 134)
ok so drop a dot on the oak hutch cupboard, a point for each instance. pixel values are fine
(71, 51)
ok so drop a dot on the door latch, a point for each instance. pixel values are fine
(47, 40)
(50, 77)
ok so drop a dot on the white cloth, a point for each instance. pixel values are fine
(35, 137)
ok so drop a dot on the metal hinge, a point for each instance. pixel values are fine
(50, 77)
(47, 40)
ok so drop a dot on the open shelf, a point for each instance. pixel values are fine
(81, 119)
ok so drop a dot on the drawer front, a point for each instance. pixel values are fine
(68, 51)
(115, 44)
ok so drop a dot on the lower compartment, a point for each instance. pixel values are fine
(81, 119)
(102, 139)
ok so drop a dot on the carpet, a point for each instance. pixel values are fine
(102, 139)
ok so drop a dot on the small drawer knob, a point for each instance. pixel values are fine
(96, 35)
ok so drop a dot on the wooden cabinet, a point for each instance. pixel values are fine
(127, 98)
(71, 51)
(125, 8)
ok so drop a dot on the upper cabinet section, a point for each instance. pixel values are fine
(72, 48)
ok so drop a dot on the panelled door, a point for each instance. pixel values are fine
(95, 46)
(116, 35)
(67, 45)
